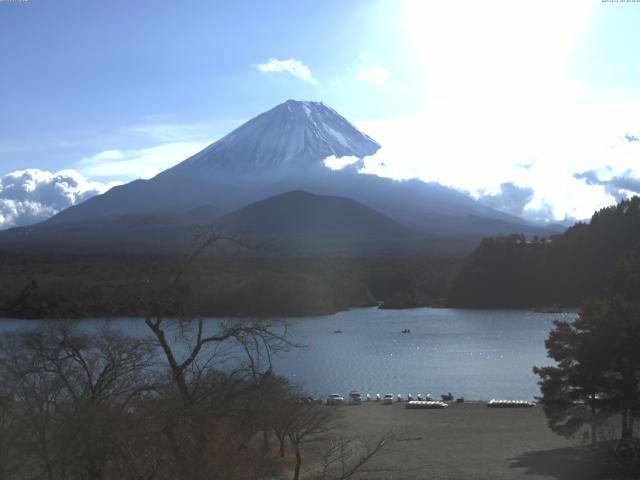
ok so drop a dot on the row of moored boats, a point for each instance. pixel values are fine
(419, 402)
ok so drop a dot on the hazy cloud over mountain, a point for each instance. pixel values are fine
(453, 148)
(619, 186)
(510, 199)
(125, 165)
(33, 195)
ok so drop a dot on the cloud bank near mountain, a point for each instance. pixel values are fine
(567, 161)
(510, 198)
(33, 195)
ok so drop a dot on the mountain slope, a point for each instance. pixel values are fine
(291, 136)
(303, 213)
(289, 141)
(279, 151)
(299, 222)
(291, 223)
(135, 233)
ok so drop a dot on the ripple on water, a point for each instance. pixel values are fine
(476, 353)
(480, 354)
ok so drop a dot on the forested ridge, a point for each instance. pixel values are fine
(80, 286)
(587, 261)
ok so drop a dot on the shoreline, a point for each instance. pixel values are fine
(5, 315)
(467, 440)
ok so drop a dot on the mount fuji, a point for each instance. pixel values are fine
(294, 136)
(279, 151)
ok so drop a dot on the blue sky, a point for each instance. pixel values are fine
(79, 74)
(529, 106)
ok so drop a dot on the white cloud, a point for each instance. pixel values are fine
(544, 149)
(501, 107)
(33, 195)
(137, 163)
(291, 65)
(338, 163)
(372, 70)
(510, 198)
(375, 74)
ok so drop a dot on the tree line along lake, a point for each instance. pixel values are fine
(478, 354)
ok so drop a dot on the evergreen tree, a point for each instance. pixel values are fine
(598, 369)
(572, 391)
(508, 271)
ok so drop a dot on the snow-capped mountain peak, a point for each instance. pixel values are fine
(293, 135)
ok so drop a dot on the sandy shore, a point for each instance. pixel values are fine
(467, 441)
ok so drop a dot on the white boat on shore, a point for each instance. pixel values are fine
(493, 403)
(425, 404)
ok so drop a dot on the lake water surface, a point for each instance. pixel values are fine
(481, 354)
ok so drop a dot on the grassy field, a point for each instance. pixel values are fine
(468, 441)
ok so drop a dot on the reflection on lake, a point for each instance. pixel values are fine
(480, 354)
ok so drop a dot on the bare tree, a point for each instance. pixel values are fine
(8, 427)
(307, 423)
(207, 405)
(70, 393)
(193, 399)
(347, 456)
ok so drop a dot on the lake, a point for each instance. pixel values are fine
(478, 354)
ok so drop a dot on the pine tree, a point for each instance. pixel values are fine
(598, 369)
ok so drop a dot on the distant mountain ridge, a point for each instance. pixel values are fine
(301, 223)
(300, 212)
(292, 223)
(279, 151)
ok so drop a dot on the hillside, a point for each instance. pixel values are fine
(82, 286)
(586, 261)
